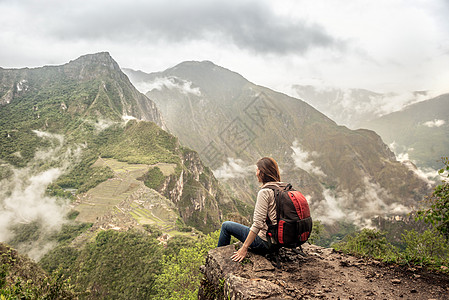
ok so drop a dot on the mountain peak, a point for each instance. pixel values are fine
(206, 74)
(196, 63)
(95, 57)
(101, 60)
(201, 66)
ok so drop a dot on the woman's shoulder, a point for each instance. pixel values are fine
(273, 184)
(265, 192)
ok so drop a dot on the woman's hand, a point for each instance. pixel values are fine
(240, 254)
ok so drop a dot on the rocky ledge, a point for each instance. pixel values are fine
(322, 274)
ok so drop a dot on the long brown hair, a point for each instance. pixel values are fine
(268, 170)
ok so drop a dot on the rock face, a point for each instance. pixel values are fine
(197, 194)
(321, 274)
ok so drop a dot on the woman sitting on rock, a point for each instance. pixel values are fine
(255, 237)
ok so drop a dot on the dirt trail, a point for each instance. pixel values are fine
(322, 274)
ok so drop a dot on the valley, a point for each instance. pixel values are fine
(139, 184)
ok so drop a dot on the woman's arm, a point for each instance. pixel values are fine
(240, 254)
(260, 215)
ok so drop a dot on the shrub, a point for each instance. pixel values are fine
(438, 213)
(154, 178)
(317, 230)
(429, 247)
(180, 277)
(368, 243)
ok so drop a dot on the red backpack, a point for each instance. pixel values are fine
(294, 223)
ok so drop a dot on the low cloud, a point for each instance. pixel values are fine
(356, 208)
(329, 210)
(391, 102)
(302, 160)
(50, 136)
(127, 118)
(354, 107)
(100, 124)
(234, 168)
(429, 175)
(103, 124)
(170, 82)
(375, 197)
(23, 198)
(434, 123)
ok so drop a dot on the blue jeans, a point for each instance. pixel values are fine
(240, 231)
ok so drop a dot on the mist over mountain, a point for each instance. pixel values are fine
(419, 132)
(82, 131)
(354, 107)
(231, 122)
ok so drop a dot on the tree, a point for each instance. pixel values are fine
(438, 212)
(180, 277)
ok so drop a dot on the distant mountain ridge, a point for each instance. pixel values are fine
(420, 131)
(354, 107)
(233, 122)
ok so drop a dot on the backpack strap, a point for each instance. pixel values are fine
(276, 190)
(272, 228)
(273, 187)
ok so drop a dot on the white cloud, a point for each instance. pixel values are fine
(302, 160)
(358, 207)
(434, 123)
(329, 210)
(171, 82)
(375, 197)
(391, 102)
(429, 175)
(102, 124)
(48, 135)
(234, 168)
(127, 118)
(23, 198)
(408, 50)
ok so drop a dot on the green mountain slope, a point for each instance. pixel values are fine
(58, 99)
(232, 122)
(74, 115)
(22, 278)
(421, 130)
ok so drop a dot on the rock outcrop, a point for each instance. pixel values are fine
(322, 274)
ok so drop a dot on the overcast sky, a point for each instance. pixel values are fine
(383, 45)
